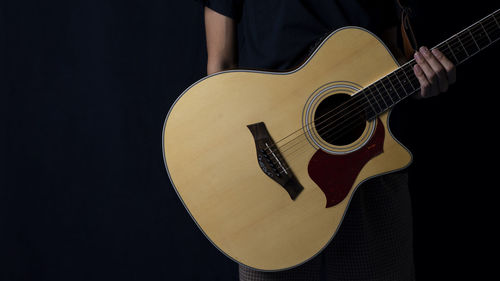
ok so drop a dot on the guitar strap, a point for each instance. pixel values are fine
(407, 34)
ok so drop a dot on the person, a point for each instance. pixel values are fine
(375, 239)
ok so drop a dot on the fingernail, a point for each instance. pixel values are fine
(417, 69)
(425, 51)
(418, 57)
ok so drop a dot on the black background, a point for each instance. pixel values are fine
(84, 90)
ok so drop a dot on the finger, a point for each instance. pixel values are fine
(429, 73)
(425, 86)
(438, 69)
(447, 64)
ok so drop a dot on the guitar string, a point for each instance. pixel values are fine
(469, 43)
(411, 78)
(391, 80)
(345, 131)
(489, 17)
(405, 70)
(399, 89)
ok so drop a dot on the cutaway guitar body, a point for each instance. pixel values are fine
(266, 163)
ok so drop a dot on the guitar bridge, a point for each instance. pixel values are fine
(272, 162)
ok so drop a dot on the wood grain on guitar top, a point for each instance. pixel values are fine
(211, 159)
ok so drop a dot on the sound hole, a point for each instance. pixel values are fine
(339, 120)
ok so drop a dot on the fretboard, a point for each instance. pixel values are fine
(401, 83)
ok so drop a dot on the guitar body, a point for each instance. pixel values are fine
(211, 156)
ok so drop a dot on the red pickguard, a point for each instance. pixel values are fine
(335, 174)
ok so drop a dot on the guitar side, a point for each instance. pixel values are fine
(210, 154)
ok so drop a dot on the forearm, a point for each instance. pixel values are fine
(218, 64)
(221, 45)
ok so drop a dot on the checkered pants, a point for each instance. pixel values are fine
(374, 241)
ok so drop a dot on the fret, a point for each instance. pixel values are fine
(485, 33)
(480, 36)
(410, 76)
(404, 84)
(370, 96)
(385, 97)
(370, 111)
(463, 47)
(468, 43)
(495, 34)
(458, 50)
(448, 52)
(474, 40)
(390, 90)
(403, 79)
(379, 97)
(400, 91)
(395, 86)
(492, 28)
(496, 21)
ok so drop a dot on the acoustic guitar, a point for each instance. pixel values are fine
(266, 163)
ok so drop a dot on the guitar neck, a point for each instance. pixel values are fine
(402, 83)
(473, 39)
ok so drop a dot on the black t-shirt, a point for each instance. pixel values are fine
(278, 34)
